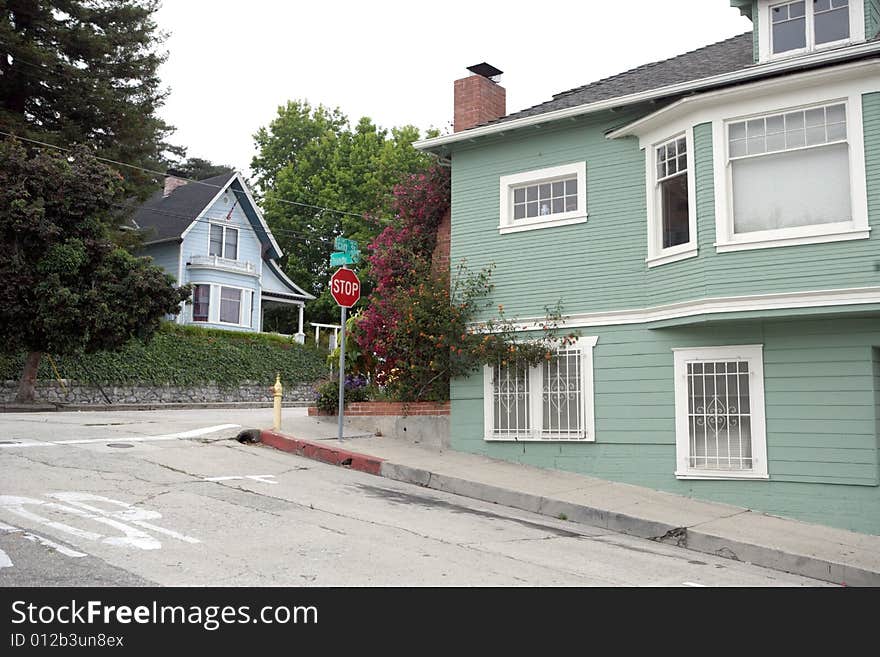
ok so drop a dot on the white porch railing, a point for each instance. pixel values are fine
(216, 262)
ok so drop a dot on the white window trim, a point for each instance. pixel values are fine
(223, 243)
(752, 353)
(857, 228)
(765, 30)
(588, 407)
(657, 255)
(508, 225)
(244, 317)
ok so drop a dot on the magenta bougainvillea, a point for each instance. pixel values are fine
(417, 332)
(399, 259)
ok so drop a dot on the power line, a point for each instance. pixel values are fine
(296, 236)
(192, 180)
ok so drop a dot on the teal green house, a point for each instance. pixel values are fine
(711, 225)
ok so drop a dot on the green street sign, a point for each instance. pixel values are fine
(345, 245)
(338, 258)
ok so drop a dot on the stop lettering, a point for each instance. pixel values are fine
(345, 287)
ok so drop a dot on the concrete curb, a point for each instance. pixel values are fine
(325, 453)
(690, 538)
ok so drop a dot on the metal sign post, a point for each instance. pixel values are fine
(345, 288)
(342, 373)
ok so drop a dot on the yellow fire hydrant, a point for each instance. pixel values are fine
(277, 391)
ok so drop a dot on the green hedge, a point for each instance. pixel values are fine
(185, 356)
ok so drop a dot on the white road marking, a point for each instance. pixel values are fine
(694, 584)
(128, 439)
(132, 537)
(264, 479)
(34, 538)
(5, 561)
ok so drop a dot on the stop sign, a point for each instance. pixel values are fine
(345, 287)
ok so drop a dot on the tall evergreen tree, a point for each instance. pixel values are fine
(85, 72)
(196, 168)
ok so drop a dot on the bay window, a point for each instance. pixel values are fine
(201, 302)
(230, 305)
(793, 177)
(790, 170)
(671, 210)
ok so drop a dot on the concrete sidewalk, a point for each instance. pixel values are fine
(817, 551)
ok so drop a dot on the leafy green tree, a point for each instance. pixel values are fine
(312, 155)
(195, 168)
(80, 71)
(66, 286)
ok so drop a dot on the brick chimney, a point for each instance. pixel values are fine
(478, 98)
(172, 182)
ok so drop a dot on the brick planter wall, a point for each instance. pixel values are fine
(421, 423)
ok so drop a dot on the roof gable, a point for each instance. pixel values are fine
(163, 218)
(166, 218)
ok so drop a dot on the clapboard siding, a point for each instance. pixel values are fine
(600, 265)
(872, 18)
(822, 399)
(166, 256)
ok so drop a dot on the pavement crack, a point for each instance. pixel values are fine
(730, 515)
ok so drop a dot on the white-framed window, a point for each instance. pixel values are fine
(201, 306)
(215, 303)
(223, 241)
(552, 401)
(672, 217)
(720, 427)
(793, 176)
(230, 305)
(802, 26)
(555, 196)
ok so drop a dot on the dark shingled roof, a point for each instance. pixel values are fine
(722, 57)
(164, 218)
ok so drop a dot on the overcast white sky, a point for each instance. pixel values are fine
(232, 63)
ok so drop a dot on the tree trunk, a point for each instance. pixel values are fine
(28, 379)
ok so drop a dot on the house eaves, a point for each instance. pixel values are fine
(439, 145)
(689, 104)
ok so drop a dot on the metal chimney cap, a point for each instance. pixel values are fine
(485, 70)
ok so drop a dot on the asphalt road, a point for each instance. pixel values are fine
(170, 498)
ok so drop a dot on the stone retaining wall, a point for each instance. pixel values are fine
(86, 393)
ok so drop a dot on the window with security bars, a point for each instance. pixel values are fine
(551, 401)
(720, 412)
(719, 419)
(510, 401)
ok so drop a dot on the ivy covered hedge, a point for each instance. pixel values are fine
(187, 356)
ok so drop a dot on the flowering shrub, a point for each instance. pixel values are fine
(327, 392)
(418, 327)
